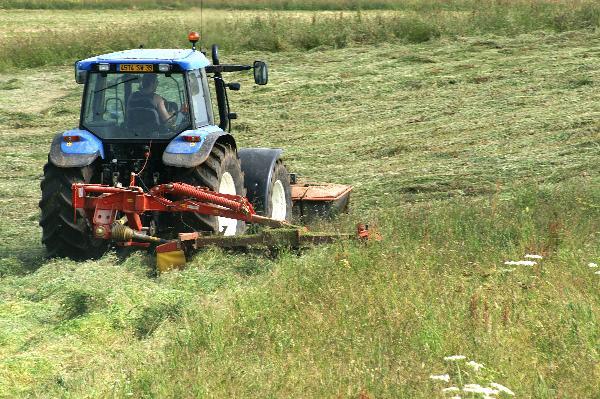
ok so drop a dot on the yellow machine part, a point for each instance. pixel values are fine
(166, 261)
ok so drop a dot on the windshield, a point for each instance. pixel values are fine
(135, 106)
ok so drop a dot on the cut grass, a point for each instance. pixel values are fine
(465, 152)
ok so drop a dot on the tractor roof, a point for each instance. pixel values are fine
(185, 59)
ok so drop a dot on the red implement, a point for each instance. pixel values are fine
(116, 213)
(104, 202)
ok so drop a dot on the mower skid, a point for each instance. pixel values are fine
(171, 255)
(313, 201)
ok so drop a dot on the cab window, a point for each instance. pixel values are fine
(117, 106)
(199, 99)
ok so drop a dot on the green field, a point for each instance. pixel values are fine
(294, 5)
(49, 37)
(468, 145)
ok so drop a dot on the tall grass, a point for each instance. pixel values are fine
(307, 5)
(279, 32)
(376, 320)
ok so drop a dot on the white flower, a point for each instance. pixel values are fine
(502, 388)
(476, 366)
(454, 358)
(472, 386)
(476, 388)
(440, 377)
(531, 256)
(451, 389)
(592, 264)
(520, 263)
(489, 391)
(598, 272)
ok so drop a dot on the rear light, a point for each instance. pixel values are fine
(104, 67)
(71, 138)
(164, 67)
(191, 139)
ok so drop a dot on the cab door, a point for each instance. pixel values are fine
(200, 98)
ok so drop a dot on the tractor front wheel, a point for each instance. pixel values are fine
(61, 234)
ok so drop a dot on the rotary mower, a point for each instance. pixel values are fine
(148, 166)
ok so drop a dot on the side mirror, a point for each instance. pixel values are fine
(80, 75)
(261, 73)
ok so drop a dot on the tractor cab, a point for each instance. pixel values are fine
(152, 94)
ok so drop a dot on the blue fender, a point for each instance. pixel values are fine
(186, 154)
(75, 154)
(257, 165)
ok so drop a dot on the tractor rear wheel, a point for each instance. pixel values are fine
(62, 236)
(279, 200)
(221, 172)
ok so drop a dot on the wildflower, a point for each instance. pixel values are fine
(598, 272)
(531, 256)
(440, 377)
(474, 365)
(592, 264)
(476, 388)
(502, 388)
(472, 386)
(451, 389)
(454, 358)
(520, 263)
(489, 391)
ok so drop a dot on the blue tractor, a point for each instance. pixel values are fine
(149, 112)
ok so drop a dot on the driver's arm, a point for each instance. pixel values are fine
(159, 103)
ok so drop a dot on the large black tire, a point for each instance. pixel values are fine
(222, 160)
(60, 234)
(279, 186)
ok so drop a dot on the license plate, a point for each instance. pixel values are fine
(136, 68)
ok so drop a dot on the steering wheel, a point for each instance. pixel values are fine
(171, 123)
(181, 115)
(173, 109)
(171, 106)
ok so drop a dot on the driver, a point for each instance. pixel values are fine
(146, 96)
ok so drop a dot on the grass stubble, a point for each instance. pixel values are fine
(466, 152)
